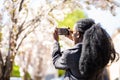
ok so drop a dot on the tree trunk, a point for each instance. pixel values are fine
(1, 66)
(6, 68)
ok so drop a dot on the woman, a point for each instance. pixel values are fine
(92, 52)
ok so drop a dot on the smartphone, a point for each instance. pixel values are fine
(63, 31)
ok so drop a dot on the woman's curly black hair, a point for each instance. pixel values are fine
(97, 52)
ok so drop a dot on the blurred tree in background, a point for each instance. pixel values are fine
(109, 5)
(26, 32)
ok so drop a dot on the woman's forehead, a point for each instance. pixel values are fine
(74, 28)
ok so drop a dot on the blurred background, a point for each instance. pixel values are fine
(26, 28)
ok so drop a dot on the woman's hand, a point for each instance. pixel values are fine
(70, 35)
(55, 35)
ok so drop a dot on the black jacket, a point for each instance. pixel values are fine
(68, 60)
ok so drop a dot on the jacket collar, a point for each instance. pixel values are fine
(78, 45)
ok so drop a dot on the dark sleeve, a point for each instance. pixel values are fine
(59, 58)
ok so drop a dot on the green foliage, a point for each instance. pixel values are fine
(61, 72)
(15, 72)
(71, 18)
(27, 75)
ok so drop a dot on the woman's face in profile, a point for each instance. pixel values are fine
(76, 35)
